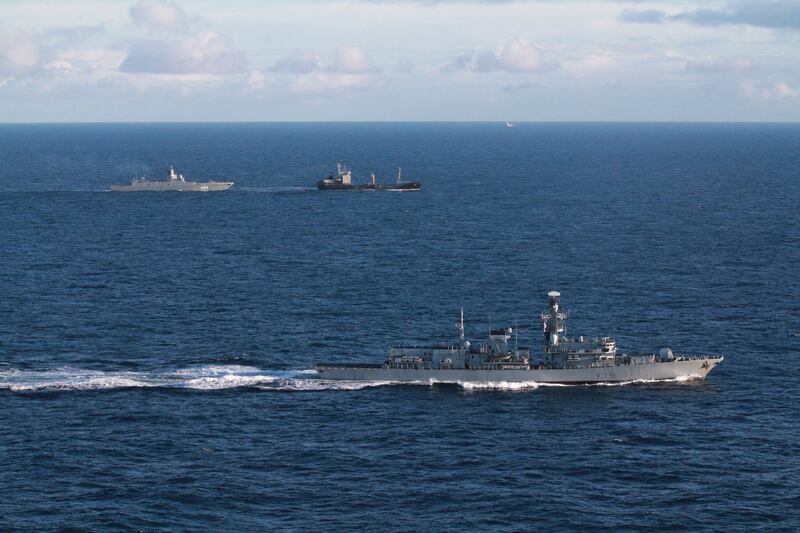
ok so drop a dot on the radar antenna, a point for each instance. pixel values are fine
(460, 326)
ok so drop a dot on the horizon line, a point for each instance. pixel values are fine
(498, 121)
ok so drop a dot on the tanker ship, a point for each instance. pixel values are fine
(343, 181)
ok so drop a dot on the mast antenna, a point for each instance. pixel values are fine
(460, 326)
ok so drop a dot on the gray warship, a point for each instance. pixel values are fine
(174, 182)
(563, 360)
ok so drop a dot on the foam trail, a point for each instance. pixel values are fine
(323, 384)
(499, 385)
(70, 379)
(679, 379)
(208, 377)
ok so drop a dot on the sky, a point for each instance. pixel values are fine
(399, 60)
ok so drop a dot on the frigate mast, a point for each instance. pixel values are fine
(554, 322)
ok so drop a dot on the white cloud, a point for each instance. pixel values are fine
(325, 82)
(783, 90)
(714, 65)
(350, 69)
(769, 91)
(515, 56)
(298, 62)
(20, 53)
(344, 60)
(256, 82)
(351, 60)
(592, 62)
(204, 53)
(160, 16)
(519, 56)
(28, 54)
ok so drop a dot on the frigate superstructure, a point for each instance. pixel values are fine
(175, 182)
(562, 360)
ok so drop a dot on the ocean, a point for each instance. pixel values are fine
(157, 350)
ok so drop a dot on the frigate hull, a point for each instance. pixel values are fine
(177, 186)
(696, 368)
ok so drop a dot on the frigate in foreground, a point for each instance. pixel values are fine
(563, 360)
(174, 182)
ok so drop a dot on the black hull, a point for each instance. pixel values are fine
(335, 187)
(409, 186)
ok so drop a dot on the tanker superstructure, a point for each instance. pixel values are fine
(563, 360)
(175, 182)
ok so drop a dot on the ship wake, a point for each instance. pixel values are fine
(200, 378)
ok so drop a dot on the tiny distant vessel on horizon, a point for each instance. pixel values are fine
(509, 124)
(174, 182)
(564, 360)
(343, 181)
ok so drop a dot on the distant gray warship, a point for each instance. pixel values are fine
(343, 181)
(565, 360)
(174, 182)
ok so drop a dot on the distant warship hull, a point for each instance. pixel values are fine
(164, 186)
(695, 368)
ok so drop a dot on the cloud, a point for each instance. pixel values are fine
(775, 14)
(160, 16)
(204, 53)
(710, 65)
(404, 66)
(517, 87)
(20, 53)
(326, 82)
(516, 56)
(298, 62)
(592, 61)
(769, 91)
(25, 53)
(644, 16)
(344, 60)
(349, 69)
(351, 60)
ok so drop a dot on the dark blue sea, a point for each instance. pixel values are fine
(157, 350)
